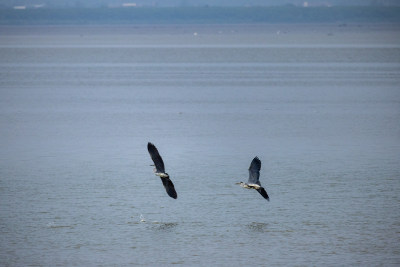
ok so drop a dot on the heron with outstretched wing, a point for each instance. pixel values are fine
(254, 178)
(159, 170)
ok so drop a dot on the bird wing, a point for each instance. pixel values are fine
(155, 156)
(169, 187)
(263, 193)
(254, 171)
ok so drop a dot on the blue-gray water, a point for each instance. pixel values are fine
(320, 106)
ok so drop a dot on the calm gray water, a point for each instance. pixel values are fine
(319, 106)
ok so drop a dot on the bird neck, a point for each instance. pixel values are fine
(244, 185)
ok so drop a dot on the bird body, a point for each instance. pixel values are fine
(249, 186)
(161, 174)
(159, 170)
(254, 178)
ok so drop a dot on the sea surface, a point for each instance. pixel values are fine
(318, 104)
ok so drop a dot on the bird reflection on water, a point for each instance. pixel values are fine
(158, 225)
(258, 227)
(164, 226)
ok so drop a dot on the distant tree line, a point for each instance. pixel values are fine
(173, 15)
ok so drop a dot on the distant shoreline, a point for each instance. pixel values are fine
(195, 36)
(200, 15)
(187, 29)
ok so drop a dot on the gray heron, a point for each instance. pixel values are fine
(159, 170)
(254, 178)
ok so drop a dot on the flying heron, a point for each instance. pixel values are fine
(254, 178)
(159, 170)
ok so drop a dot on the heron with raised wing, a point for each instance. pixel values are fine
(159, 170)
(254, 178)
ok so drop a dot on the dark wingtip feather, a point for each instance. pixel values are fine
(255, 164)
(257, 160)
(169, 187)
(263, 193)
(150, 146)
